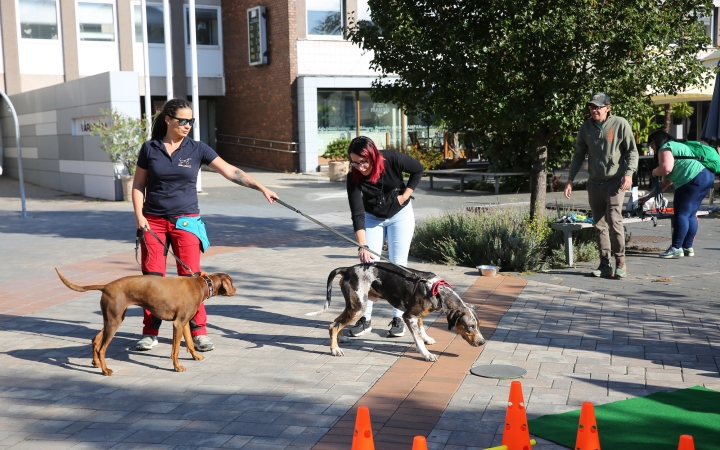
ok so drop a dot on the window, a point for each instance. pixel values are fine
(363, 11)
(155, 27)
(97, 22)
(206, 24)
(38, 19)
(324, 17)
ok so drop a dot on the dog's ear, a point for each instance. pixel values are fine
(452, 318)
(226, 285)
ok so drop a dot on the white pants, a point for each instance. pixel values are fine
(399, 231)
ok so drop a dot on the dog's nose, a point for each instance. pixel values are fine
(481, 342)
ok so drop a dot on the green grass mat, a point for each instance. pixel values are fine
(654, 422)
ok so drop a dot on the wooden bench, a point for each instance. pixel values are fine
(469, 172)
(569, 228)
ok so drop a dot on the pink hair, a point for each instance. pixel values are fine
(365, 147)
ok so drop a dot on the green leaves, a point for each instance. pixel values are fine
(121, 137)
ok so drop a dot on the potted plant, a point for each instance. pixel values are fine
(121, 137)
(337, 153)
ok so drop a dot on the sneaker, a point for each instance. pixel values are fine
(603, 270)
(688, 252)
(620, 268)
(397, 327)
(202, 343)
(147, 342)
(361, 327)
(672, 252)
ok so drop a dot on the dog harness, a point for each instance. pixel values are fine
(209, 283)
(435, 289)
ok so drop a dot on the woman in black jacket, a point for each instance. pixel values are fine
(381, 208)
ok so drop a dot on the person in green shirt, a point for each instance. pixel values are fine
(609, 145)
(692, 182)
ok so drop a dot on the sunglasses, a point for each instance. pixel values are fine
(183, 122)
(594, 107)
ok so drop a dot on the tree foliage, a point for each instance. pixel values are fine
(121, 137)
(519, 72)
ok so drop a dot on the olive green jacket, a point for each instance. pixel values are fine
(610, 149)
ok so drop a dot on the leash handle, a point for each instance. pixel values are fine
(352, 241)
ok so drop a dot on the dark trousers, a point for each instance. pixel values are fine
(687, 200)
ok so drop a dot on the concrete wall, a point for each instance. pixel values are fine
(55, 152)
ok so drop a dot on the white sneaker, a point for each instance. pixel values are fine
(147, 342)
(203, 344)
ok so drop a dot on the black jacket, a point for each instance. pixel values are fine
(380, 199)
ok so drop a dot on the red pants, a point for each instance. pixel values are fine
(186, 246)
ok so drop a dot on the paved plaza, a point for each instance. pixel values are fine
(271, 382)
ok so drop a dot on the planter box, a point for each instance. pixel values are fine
(338, 170)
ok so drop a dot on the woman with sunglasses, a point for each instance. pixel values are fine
(380, 207)
(165, 189)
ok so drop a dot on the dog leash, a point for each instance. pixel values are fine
(354, 242)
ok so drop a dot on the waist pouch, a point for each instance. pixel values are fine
(196, 226)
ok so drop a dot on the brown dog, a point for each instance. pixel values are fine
(168, 298)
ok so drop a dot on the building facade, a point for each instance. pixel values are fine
(49, 46)
(314, 89)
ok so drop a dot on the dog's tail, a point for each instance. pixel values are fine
(330, 280)
(75, 287)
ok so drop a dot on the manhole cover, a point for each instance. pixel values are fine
(646, 239)
(500, 371)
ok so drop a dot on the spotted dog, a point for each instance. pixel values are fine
(417, 293)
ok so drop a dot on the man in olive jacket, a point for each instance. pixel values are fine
(609, 144)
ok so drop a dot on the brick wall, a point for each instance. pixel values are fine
(260, 101)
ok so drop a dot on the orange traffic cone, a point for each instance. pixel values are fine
(516, 435)
(362, 438)
(419, 443)
(686, 442)
(587, 435)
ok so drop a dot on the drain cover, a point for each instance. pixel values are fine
(501, 371)
(646, 239)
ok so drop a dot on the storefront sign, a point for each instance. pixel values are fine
(257, 39)
(380, 109)
(81, 126)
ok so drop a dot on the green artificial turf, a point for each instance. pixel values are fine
(654, 422)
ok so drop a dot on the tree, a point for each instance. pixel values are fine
(521, 71)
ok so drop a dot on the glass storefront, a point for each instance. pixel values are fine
(337, 113)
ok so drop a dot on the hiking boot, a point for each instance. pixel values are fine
(361, 327)
(397, 327)
(603, 270)
(147, 342)
(620, 268)
(688, 252)
(203, 343)
(672, 252)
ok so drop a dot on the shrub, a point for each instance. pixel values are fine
(429, 157)
(121, 137)
(501, 236)
(337, 150)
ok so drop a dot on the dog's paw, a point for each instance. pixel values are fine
(179, 368)
(429, 341)
(107, 372)
(337, 352)
(430, 357)
(198, 357)
(344, 339)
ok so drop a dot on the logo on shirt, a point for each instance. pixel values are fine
(185, 163)
(610, 134)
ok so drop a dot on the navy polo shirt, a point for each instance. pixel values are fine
(171, 188)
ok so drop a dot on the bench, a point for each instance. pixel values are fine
(569, 228)
(467, 172)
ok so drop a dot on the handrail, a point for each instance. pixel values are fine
(292, 147)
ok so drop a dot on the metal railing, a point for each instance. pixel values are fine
(264, 144)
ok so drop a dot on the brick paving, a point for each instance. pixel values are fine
(271, 382)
